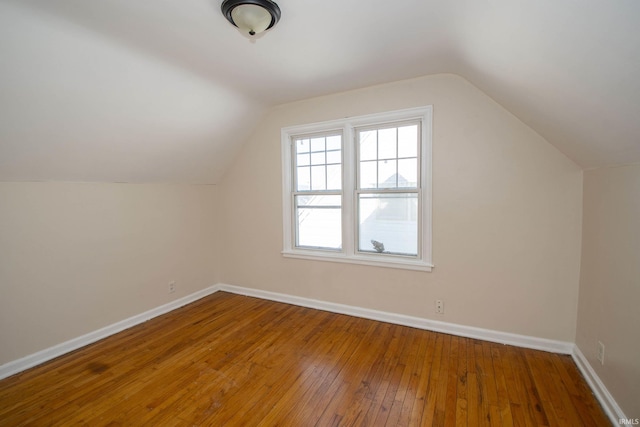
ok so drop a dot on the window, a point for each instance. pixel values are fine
(317, 192)
(359, 190)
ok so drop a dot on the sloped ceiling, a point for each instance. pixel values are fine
(167, 91)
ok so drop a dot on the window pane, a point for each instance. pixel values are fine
(303, 179)
(334, 177)
(387, 144)
(387, 174)
(388, 223)
(368, 175)
(408, 173)
(318, 178)
(334, 142)
(334, 157)
(318, 158)
(319, 221)
(317, 144)
(303, 159)
(302, 146)
(408, 141)
(368, 145)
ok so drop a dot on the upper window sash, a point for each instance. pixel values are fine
(388, 156)
(317, 162)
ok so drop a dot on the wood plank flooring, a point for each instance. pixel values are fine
(230, 360)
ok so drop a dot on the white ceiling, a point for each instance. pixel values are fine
(168, 90)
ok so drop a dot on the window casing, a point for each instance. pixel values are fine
(358, 190)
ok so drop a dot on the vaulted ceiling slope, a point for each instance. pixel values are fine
(167, 91)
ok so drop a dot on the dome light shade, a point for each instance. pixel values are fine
(251, 16)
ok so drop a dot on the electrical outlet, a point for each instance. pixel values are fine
(439, 306)
(600, 355)
(172, 287)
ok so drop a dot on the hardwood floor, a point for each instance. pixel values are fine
(239, 361)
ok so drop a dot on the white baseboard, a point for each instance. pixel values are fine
(415, 322)
(45, 355)
(607, 401)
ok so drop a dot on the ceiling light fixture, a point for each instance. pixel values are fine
(251, 16)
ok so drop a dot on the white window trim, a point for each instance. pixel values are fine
(349, 254)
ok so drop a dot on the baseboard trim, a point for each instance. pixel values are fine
(415, 322)
(50, 353)
(605, 398)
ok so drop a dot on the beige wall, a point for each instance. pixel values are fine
(506, 217)
(609, 309)
(77, 257)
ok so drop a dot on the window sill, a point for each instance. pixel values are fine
(388, 262)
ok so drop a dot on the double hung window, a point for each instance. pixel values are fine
(359, 190)
(317, 193)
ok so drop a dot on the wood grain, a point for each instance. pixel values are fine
(239, 361)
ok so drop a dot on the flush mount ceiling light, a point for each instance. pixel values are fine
(251, 16)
